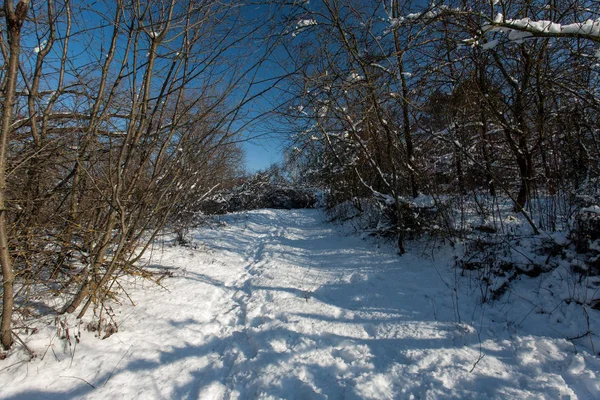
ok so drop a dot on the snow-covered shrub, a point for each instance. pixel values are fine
(585, 235)
(586, 229)
(288, 198)
(495, 260)
(215, 205)
(383, 217)
(263, 190)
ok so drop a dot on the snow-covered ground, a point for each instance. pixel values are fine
(279, 304)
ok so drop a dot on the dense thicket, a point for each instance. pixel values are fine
(263, 189)
(116, 117)
(459, 101)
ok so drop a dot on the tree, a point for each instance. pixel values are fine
(389, 92)
(111, 140)
(15, 17)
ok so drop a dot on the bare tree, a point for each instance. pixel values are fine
(111, 138)
(15, 16)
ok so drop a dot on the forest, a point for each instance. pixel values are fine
(461, 123)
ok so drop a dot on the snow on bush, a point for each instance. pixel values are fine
(262, 190)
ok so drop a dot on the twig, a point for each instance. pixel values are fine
(527, 315)
(12, 365)
(126, 294)
(31, 353)
(49, 346)
(81, 379)
(113, 370)
(481, 355)
(53, 352)
(73, 353)
(579, 336)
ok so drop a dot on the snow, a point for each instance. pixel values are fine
(302, 23)
(40, 47)
(280, 304)
(490, 45)
(354, 77)
(589, 27)
(591, 209)
(424, 16)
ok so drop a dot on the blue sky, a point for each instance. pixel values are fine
(267, 138)
(263, 148)
(261, 153)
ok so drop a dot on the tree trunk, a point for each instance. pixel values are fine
(489, 178)
(99, 256)
(525, 164)
(405, 106)
(460, 176)
(485, 139)
(14, 22)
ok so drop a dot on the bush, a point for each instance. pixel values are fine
(263, 190)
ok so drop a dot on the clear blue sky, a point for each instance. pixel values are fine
(267, 138)
(261, 153)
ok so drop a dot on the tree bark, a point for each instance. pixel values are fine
(526, 173)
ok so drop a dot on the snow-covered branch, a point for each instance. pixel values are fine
(519, 29)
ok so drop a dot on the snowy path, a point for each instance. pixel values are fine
(278, 304)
